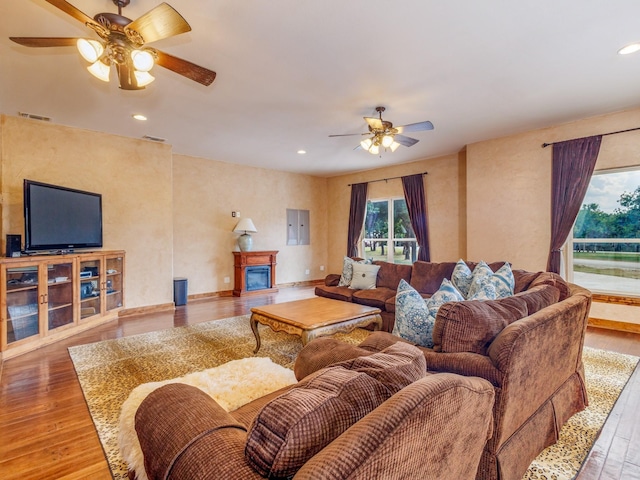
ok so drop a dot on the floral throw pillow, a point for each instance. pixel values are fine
(461, 277)
(496, 285)
(415, 316)
(446, 293)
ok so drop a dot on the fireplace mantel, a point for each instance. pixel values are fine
(242, 260)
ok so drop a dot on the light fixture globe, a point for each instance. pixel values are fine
(387, 141)
(99, 70)
(90, 50)
(142, 60)
(245, 242)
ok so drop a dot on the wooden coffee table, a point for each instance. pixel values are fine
(313, 317)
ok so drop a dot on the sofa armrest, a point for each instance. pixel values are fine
(464, 363)
(184, 433)
(332, 280)
(403, 437)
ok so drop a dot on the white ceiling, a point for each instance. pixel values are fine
(292, 72)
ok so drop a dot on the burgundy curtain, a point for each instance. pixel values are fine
(356, 217)
(413, 186)
(573, 164)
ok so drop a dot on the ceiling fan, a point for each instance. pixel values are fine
(385, 135)
(123, 44)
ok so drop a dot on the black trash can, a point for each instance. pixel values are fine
(180, 291)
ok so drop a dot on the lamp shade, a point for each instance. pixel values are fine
(245, 225)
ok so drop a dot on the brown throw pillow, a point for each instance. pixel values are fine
(471, 326)
(295, 426)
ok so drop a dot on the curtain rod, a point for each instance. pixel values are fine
(387, 179)
(544, 145)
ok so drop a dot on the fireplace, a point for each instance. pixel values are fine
(258, 278)
(254, 272)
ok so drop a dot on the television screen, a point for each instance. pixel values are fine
(60, 218)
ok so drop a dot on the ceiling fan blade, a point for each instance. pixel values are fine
(66, 7)
(45, 41)
(374, 123)
(185, 68)
(406, 141)
(126, 77)
(160, 22)
(415, 127)
(350, 134)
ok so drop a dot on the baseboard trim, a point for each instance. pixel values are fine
(614, 325)
(209, 295)
(164, 307)
(306, 283)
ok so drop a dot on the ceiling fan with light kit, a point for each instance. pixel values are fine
(382, 134)
(123, 44)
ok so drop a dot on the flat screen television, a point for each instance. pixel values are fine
(60, 218)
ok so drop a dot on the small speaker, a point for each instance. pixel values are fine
(14, 245)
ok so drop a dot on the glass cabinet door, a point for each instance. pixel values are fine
(23, 302)
(90, 298)
(113, 284)
(59, 296)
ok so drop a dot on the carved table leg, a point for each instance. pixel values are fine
(254, 326)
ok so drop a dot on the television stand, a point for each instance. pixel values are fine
(48, 297)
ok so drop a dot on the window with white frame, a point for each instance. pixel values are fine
(388, 235)
(606, 236)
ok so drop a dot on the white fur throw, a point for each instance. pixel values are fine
(232, 385)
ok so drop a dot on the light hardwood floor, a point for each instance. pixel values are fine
(46, 431)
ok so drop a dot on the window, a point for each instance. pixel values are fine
(606, 235)
(378, 237)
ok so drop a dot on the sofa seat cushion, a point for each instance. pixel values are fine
(375, 297)
(337, 293)
(390, 274)
(471, 326)
(292, 428)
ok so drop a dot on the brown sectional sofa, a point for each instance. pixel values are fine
(359, 419)
(425, 277)
(534, 361)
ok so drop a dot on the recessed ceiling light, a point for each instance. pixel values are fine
(631, 48)
(139, 116)
(302, 152)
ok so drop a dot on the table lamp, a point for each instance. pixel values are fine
(245, 241)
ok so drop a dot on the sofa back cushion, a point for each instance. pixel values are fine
(526, 280)
(550, 278)
(427, 277)
(539, 297)
(390, 274)
(471, 326)
(295, 426)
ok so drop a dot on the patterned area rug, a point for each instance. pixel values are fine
(108, 371)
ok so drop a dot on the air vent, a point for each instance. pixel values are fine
(33, 116)
(153, 139)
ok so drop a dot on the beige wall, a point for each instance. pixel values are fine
(133, 176)
(172, 213)
(205, 194)
(444, 202)
(509, 186)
